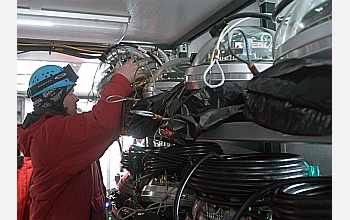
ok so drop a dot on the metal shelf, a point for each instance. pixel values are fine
(249, 131)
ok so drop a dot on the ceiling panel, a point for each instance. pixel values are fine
(151, 21)
(158, 22)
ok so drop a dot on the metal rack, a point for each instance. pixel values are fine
(249, 131)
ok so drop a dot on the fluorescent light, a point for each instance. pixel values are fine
(69, 26)
(35, 23)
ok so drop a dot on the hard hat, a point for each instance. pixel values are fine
(50, 77)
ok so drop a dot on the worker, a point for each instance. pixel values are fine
(64, 146)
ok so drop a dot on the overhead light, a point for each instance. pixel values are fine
(70, 26)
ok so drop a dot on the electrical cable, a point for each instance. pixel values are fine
(216, 56)
(227, 203)
(133, 211)
(223, 23)
(245, 42)
(132, 158)
(91, 92)
(248, 61)
(224, 30)
(239, 176)
(119, 54)
(180, 155)
(304, 200)
(135, 84)
(59, 48)
(153, 153)
(325, 193)
(183, 183)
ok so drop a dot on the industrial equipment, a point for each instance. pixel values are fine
(304, 30)
(119, 54)
(263, 85)
(167, 76)
(237, 52)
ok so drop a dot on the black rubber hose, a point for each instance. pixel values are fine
(242, 175)
(153, 154)
(248, 61)
(216, 29)
(173, 158)
(179, 154)
(302, 201)
(266, 190)
(184, 182)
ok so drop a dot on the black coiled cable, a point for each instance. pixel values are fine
(132, 158)
(176, 157)
(239, 176)
(324, 194)
(172, 159)
(302, 201)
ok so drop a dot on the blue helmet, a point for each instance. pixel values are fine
(50, 77)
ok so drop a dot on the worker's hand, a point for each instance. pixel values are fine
(129, 69)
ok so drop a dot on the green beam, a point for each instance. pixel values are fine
(233, 7)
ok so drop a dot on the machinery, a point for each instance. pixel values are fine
(236, 53)
(167, 76)
(208, 184)
(148, 188)
(167, 179)
(199, 181)
(119, 54)
(304, 30)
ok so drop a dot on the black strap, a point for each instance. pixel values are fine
(67, 72)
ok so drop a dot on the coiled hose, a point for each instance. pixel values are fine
(221, 177)
(131, 159)
(239, 176)
(303, 201)
(312, 195)
(172, 159)
(177, 157)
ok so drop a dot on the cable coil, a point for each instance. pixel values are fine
(239, 176)
(131, 159)
(303, 201)
(172, 159)
(176, 157)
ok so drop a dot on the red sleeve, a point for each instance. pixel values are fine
(80, 139)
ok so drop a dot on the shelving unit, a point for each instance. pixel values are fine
(316, 150)
(249, 131)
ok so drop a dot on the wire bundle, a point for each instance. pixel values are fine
(303, 201)
(177, 157)
(94, 52)
(132, 158)
(239, 176)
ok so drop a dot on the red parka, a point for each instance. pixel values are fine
(63, 150)
(24, 180)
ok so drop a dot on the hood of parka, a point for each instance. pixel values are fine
(31, 123)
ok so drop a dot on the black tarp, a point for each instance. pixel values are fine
(202, 110)
(293, 96)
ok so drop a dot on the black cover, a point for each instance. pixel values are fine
(139, 126)
(294, 97)
(203, 110)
